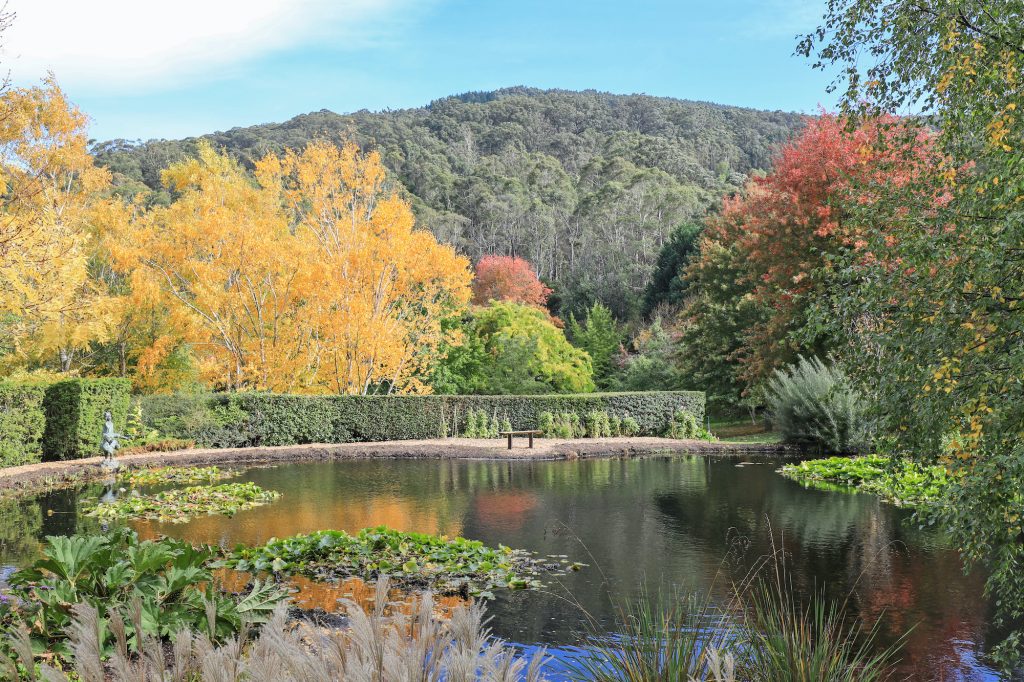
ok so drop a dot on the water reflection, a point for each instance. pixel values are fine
(682, 520)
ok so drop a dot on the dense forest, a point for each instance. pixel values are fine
(586, 186)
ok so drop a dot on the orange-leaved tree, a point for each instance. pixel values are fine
(311, 279)
(788, 228)
(381, 286)
(223, 257)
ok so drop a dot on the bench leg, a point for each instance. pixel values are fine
(510, 441)
(531, 441)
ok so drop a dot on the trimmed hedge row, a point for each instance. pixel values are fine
(74, 415)
(63, 420)
(22, 420)
(254, 419)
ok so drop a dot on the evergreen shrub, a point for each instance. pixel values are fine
(259, 419)
(22, 420)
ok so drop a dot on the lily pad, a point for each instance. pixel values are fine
(181, 504)
(179, 475)
(411, 560)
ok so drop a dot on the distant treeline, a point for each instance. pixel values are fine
(587, 186)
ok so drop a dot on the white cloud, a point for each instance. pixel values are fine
(131, 45)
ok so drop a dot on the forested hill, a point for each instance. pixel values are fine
(585, 185)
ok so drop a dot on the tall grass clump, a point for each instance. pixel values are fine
(814, 405)
(678, 639)
(762, 633)
(812, 642)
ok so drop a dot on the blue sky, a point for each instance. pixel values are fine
(147, 69)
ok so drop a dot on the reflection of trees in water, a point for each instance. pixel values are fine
(672, 521)
(20, 524)
(26, 521)
(345, 496)
(653, 521)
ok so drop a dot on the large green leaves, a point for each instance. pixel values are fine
(168, 580)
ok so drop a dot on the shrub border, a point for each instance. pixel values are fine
(265, 419)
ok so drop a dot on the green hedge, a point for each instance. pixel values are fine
(22, 420)
(74, 415)
(253, 419)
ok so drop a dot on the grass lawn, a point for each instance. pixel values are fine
(742, 431)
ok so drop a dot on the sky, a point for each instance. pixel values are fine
(143, 69)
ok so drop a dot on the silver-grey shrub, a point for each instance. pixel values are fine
(815, 405)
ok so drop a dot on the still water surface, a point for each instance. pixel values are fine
(656, 522)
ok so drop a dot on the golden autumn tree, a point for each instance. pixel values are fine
(383, 286)
(223, 259)
(313, 280)
(52, 211)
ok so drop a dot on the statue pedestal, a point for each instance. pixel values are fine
(110, 464)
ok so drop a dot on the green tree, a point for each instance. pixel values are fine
(668, 282)
(509, 348)
(934, 319)
(599, 336)
(651, 367)
(713, 324)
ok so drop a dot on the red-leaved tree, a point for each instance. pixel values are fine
(789, 226)
(508, 278)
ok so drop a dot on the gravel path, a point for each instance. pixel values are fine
(32, 476)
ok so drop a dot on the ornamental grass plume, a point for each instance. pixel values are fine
(380, 645)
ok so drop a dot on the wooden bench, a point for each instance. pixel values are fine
(529, 434)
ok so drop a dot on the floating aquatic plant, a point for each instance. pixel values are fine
(181, 504)
(445, 565)
(901, 482)
(178, 475)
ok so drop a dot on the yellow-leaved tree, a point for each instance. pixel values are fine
(384, 286)
(53, 209)
(223, 259)
(313, 279)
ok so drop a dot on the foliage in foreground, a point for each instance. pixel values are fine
(156, 586)
(814, 405)
(171, 474)
(814, 642)
(181, 504)
(455, 565)
(903, 482)
(680, 639)
(379, 644)
(937, 339)
(765, 634)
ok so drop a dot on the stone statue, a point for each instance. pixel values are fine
(110, 442)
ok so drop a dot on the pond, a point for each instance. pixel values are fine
(658, 521)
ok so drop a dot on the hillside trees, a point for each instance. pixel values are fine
(586, 186)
